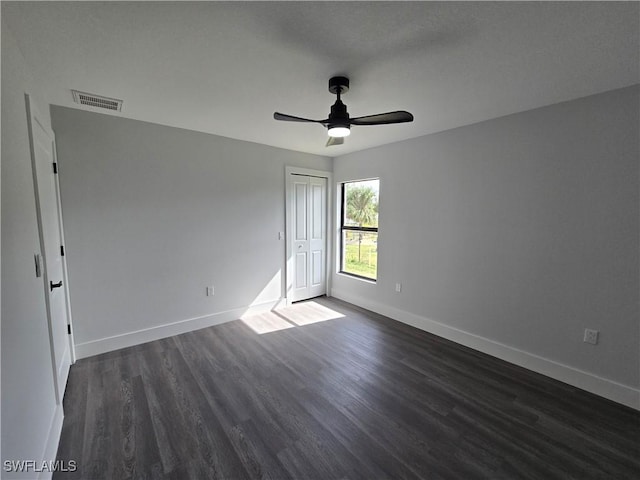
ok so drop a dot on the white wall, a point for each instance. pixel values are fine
(154, 214)
(514, 235)
(30, 420)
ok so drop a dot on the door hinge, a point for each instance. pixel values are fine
(62, 250)
(68, 329)
(55, 167)
(38, 261)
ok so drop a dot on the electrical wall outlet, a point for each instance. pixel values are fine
(398, 287)
(591, 336)
(210, 291)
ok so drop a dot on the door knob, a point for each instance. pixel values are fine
(55, 285)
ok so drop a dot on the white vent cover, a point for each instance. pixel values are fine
(98, 101)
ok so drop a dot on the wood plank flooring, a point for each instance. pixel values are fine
(331, 391)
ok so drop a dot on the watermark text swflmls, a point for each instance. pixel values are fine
(23, 466)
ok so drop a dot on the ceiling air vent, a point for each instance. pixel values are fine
(98, 101)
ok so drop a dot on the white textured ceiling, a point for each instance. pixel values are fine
(224, 68)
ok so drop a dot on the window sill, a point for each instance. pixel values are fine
(356, 277)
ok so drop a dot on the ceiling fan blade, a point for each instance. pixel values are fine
(291, 118)
(334, 141)
(383, 118)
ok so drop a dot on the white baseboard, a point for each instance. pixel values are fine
(129, 339)
(53, 439)
(603, 387)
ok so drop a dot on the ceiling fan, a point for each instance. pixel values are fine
(339, 123)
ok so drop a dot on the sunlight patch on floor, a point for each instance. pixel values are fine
(266, 323)
(297, 315)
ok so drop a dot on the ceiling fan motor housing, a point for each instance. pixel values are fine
(339, 117)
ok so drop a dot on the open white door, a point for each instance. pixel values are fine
(44, 169)
(308, 197)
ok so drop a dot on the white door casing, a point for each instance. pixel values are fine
(45, 185)
(307, 246)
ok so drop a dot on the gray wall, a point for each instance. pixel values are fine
(522, 230)
(154, 214)
(28, 396)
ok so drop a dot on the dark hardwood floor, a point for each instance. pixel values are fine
(359, 396)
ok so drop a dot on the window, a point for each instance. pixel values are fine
(359, 229)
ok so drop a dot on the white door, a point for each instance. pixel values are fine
(42, 158)
(309, 236)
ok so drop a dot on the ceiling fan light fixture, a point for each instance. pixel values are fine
(339, 131)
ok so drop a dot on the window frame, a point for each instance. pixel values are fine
(350, 228)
